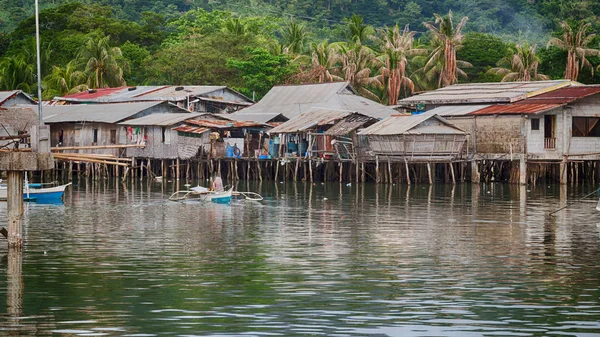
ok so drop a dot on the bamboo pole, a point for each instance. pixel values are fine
(452, 173)
(90, 160)
(97, 147)
(429, 173)
(407, 172)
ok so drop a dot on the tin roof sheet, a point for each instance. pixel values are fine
(149, 93)
(564, 95)
(404, 124)
(6, 95)
(102, 113)
(191, 129)
(349, 124)
(293, 100)
(516, 108)
(456, 110)
(497, 92)
(161, 119)
(256, 117)
(311, 119)
(223, 124)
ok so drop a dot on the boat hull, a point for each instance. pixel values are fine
(218, 197)
(40, 195)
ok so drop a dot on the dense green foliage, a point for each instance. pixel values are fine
(253, 45)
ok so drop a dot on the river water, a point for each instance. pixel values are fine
(321, 260)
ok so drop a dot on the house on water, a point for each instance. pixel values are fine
(319, 133)
(294, 100)
(15, 97)
(98, 124)
(202, 99)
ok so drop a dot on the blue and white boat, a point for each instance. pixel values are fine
(203, 194)
(34, 192)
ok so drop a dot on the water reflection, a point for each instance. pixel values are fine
(334, 259)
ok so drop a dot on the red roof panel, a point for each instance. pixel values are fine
(563, 95)
(515, 109)
(95, 93)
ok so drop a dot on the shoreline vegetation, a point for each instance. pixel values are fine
(386, 52)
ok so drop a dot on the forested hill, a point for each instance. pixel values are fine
(252, 45)
(530, 17)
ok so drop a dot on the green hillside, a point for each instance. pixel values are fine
(252, 45)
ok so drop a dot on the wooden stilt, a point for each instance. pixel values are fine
(177, 171)
(259, 170)
(452, 173)
(14, 208)
(363, 174)
(377, 178)
(296, 170)
(310, 170)
(407, 172)
(390, 171)
(429, 173)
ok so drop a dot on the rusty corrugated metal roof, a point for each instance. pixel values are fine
(564, 95)
(515, 109)
(219, 124)
(311, 119)
(191, 129)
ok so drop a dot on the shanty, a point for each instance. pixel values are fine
(212, 99)
(320, 133)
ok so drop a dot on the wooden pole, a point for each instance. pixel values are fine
(407, 172)
(177, 169)
(377, 179)
(390, 171)
(14, 206)
(363, 174)
(259, 170)
(452, 173)
(429, 173)
(310, 170)
(341, 171)
(296, 170)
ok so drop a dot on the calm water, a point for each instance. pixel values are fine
(326, 260)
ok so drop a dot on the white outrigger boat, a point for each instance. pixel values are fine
(204, 194)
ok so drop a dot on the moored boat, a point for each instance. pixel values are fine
(40, 195)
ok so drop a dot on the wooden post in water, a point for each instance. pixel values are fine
(391, 180)
(407, 172)
(377, 178)
(475, 176)
(296, 170)
(259, 170)
(341, 171)
(14, 207)
(452, 173)
(177, 168)
(363, 174)
(310, 170)
(429, 173)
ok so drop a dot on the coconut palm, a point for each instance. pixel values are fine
(63, 81)
(521, 66)
(356, 63)
(104, 65)
(357, 31)
(446, 40)
(576, 46)
(396, 46)
(324, 60)
(17, 73)
(294, 37)
(236, 26)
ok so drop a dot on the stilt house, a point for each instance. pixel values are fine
(202, 99)
(416, 138)
(98, 124)
(15, 97)
(320, 133)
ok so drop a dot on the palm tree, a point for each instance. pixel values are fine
(236, 26)
(396, 46)
(17, 73)
(294, 37)
(63, 81)
(446, 40)
(324, 60)
(521, 66)
(576, 46)
(357, 31)
(104, 64)
(356, 62)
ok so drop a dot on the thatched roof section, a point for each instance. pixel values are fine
(18, 118)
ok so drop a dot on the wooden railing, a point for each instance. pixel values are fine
(549, 143)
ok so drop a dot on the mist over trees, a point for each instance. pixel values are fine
(387, 49)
